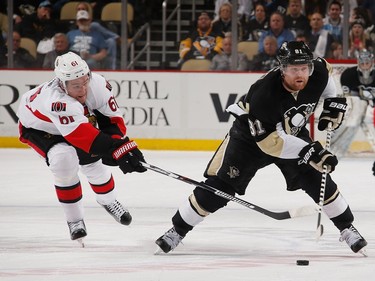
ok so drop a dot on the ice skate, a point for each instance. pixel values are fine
(168, 241)
(77, 231)
(354, 240)
(119, 213)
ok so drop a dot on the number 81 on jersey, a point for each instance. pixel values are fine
(256, 128)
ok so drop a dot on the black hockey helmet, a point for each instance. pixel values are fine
(295, 52)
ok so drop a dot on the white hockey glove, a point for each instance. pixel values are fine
(315, 155)
(333, 112)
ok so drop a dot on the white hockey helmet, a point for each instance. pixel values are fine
(70, 66)
(365, 66)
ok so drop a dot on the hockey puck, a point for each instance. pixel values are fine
(302, 262)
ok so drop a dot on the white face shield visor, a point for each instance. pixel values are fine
(294, 69)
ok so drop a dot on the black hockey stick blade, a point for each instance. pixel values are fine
(299, 212)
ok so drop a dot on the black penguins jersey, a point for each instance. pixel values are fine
(351, 85)
(277, 118)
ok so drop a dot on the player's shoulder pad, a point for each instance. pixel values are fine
(98, 82)
(324, 63)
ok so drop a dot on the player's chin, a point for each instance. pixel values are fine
(299, 85)
(82, 99)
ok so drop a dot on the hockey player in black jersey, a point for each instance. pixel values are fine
(270, 129)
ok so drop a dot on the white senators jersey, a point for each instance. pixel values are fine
(48, 108)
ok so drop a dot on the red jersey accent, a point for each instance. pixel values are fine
(119, 121)
(32, 145)
(39, 115)
(83, 136)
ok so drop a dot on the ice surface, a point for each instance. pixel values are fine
(235, 243)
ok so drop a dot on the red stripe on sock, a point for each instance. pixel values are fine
(69, 194)
(104, 188)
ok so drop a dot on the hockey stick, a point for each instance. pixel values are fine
(299, 212)
(320, 228)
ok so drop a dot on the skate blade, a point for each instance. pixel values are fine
(80, 242)
(363, 252)
(158, 251)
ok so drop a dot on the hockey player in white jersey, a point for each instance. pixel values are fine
(358, 86)
(73, 121)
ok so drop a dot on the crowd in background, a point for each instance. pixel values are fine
(39, 20)
(269, 23)
(319, 23)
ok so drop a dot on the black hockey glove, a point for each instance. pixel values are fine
(333, 112)
(373, 169)
(315, 155)
(127, 155)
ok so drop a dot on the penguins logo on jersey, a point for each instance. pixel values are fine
(233, 172)
(366, 93)
(296, 118)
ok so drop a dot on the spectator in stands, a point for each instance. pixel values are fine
(202, 42)
(370, 6)
(88, 43)
(337, 51)
(112, 39)
(315, 6)
(22, 8)
(357, 38)
(295, 21)
(61, 46)
(302, 37)
(38, 25)
(57, 6)
(267, 59)
(257, 24)
(98, 6)
(2, 42)
(360, 12)
(319, 39)
(21, 57)
(363, 13)
(276, 6)
(3, 25)
(243, 12)
(223, 61)
(278, 30)
(333, 22)
(224, 23)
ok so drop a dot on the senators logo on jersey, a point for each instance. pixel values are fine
(58, 106)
